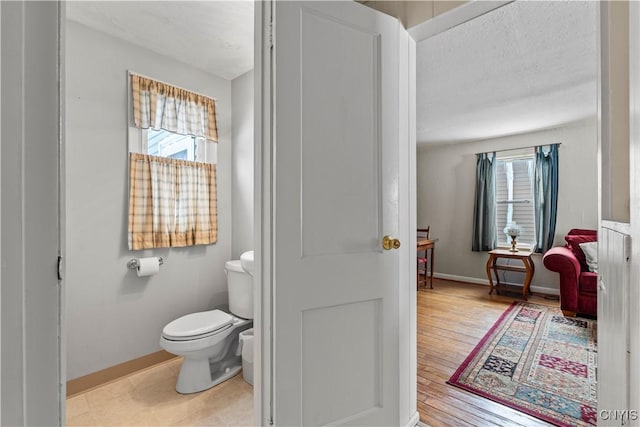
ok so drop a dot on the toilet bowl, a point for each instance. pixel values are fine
(209, 340)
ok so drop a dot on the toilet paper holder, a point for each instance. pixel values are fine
(133, 263)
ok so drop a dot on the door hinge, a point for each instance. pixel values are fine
(271, 34)
(59, 267)
(627, 248)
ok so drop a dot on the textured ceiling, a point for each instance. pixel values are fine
(523, 67)
(215, 36)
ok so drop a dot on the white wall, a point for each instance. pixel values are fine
(242, 112)
(446, 186)
(112, 315)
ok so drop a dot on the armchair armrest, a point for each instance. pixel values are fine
(563, 261)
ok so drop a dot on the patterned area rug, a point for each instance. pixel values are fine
(537, 361)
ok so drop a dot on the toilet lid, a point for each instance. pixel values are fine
(195, 325)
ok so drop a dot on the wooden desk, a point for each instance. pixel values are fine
(427, 245)
(493, 266)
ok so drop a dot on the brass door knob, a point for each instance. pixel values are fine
(389, 243)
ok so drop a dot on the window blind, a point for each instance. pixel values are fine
(514, 199)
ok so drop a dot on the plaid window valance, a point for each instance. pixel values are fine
(162, 106)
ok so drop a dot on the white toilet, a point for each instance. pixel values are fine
(208, 340)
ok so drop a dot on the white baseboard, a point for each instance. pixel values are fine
(461, 278)
(414, 420)
(548, 291)
(485, 282)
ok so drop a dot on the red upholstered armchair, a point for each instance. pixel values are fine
(578, 286)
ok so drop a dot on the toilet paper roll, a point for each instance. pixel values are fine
(148, 266)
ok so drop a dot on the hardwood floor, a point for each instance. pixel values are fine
(452, 318)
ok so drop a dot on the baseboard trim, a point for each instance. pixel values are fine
(457, 278)
(414, 420)
(485, 282)
(104, 376)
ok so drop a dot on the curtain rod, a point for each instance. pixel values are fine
(129, 72)
(519, 148)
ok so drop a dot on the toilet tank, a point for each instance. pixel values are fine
(240, 287)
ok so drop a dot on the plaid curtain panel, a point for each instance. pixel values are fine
(161, 106)
(172, 203)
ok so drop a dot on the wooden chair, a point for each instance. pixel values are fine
(422, 259)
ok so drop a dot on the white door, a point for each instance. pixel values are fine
(338, 115)
(30, 121)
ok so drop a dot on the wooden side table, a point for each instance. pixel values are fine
(493, 266)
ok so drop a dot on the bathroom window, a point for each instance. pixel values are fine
(162, 143)
(172, 145)
(172, 122)
(172, 171)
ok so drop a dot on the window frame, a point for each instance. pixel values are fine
(206, 151)
(501, 240)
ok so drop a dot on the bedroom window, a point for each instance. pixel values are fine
(514, 199)
(516, 187)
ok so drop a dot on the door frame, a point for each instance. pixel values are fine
(263, 208)
(454, 17)
(32, 197)
(634, 202)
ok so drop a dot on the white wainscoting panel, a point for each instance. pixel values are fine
(614, 251)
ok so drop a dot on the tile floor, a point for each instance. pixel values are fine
(149, 398)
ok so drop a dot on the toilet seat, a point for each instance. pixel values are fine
(197, 325)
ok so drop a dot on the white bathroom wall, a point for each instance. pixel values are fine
(112, 315)
(446, 188)
(242, 113)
